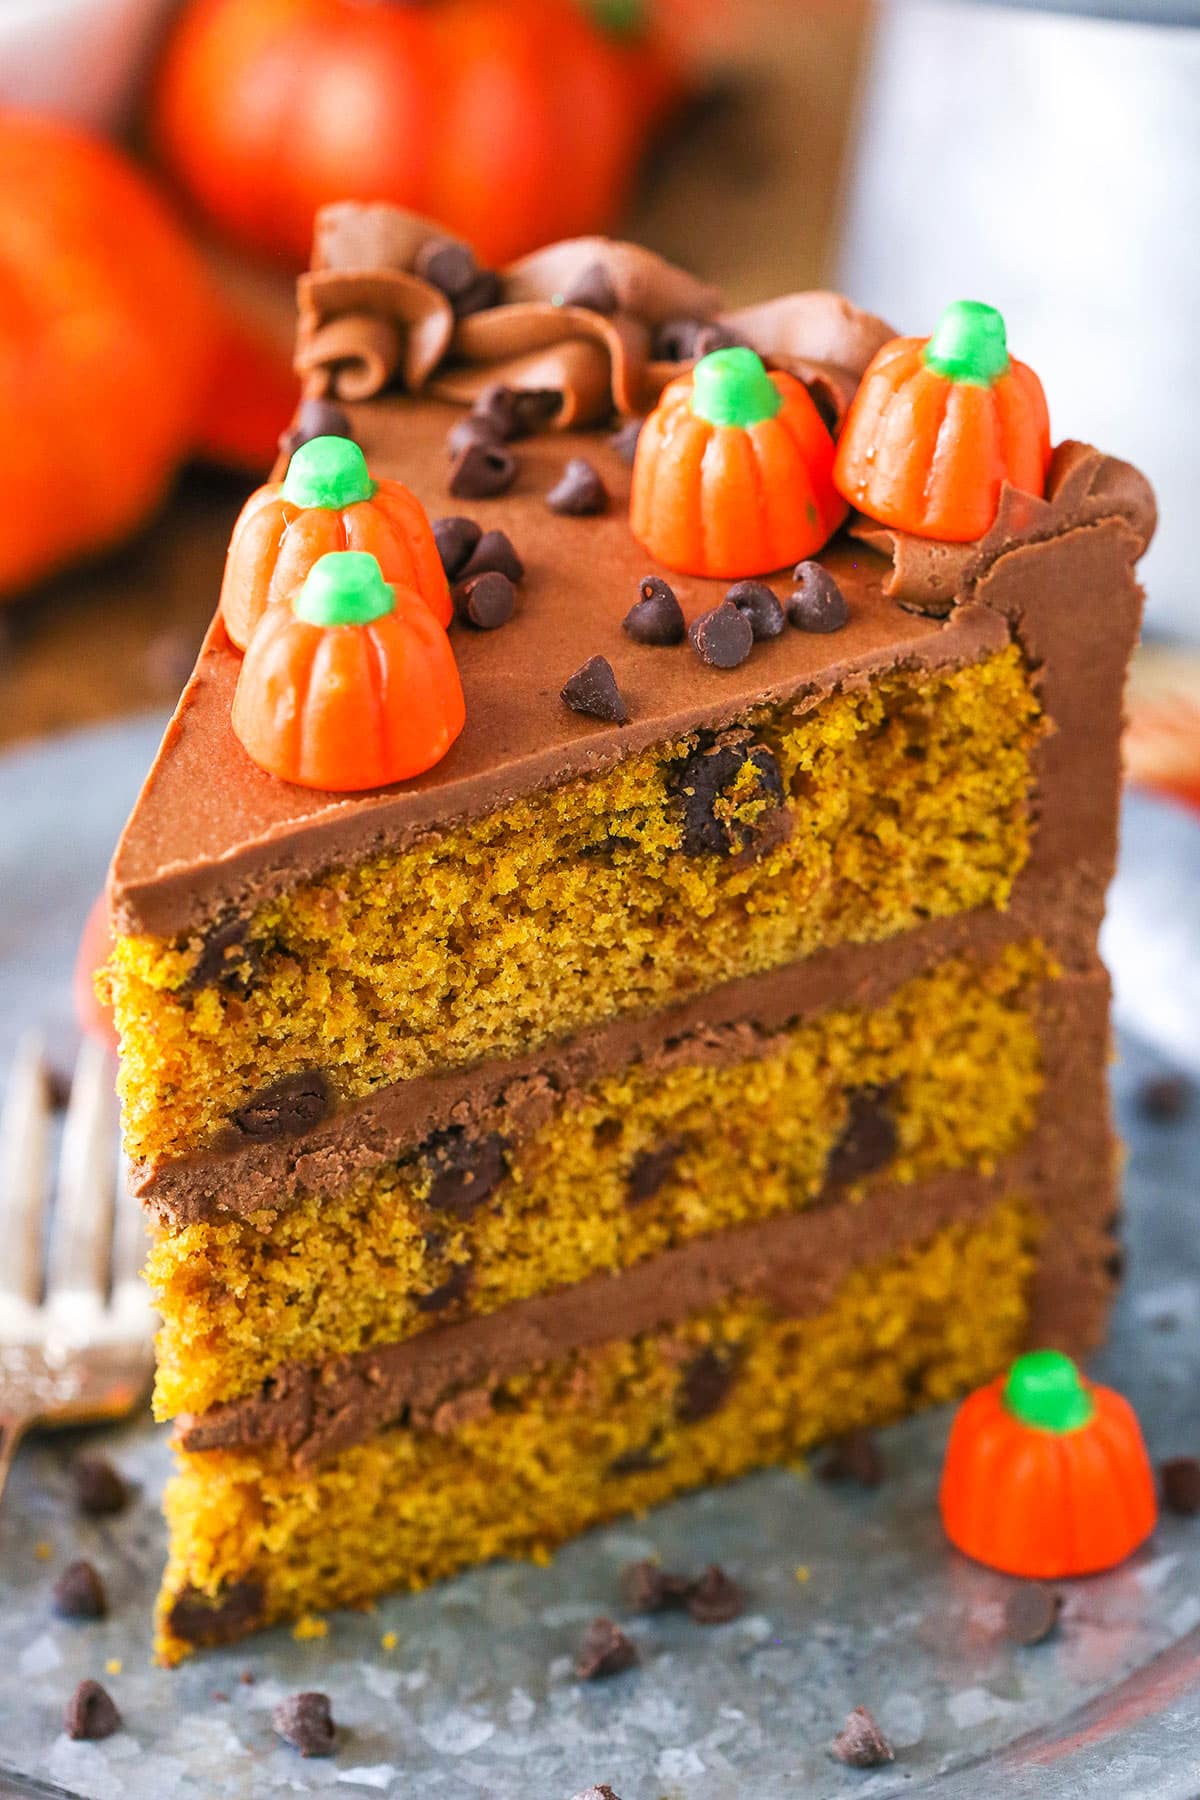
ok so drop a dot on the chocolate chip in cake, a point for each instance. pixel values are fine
(763, 609)
(199, 1618)
(466, 1171)
(79, 1593)
(648, 1588)
(855, 1457)
(315, 418)
(650, 1172)
(860, 1743)
(868, 1140)
(1031, 1612)
(226, 960)
(715, 1598)
(306, 1723)
(592, 288)
(1164, 1098)
(482, 471)
(657, 617)
(447, 265)
(456, 538)
(91, 1713)
(816, 603)
(701, 780)
(449, 1293)
(287, 1108)
(485, 601)
(638, 1461)
(593, 690)
(100, 1489)
(579, 491)
(684, 340)
(494, 554)
(704, 1386)
(721, 638)
(605, 1650)
(468, 432)
(625, 439)
(1180, 1477)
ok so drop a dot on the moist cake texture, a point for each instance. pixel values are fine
(625, 1102)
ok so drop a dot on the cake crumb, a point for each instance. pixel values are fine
(113, 1666)
(309, 1626)
(43, 1551)
(802, 1572)
(389, 1640)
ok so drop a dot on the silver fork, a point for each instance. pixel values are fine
(76, 1325)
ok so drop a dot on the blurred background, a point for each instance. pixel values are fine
(160, 161)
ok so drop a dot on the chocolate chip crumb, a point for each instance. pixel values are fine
(605, 1651)
(79, 1593)
(305, 1722)
(650, 1172)
(855, 1457)
(1031, 1612)
(860, 1743)
(648, 1588)
(494, 554)
(247, 1677)
(482, 471)
(816, 603)
(1164, 1098)
(715, 1598)
(456, 539)
(100, 1489)
(579, 491)
(704, 1385)
(625, 439)
(592, 288)
(315, 418)
(486, 601)
(868, 1140)
(593, 690)
(723, 637)
(91, 1713)
(1180, 1477)
(657, 617)
(763, 609)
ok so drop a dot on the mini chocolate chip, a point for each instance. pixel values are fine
(605, 1650)
(657, 618)
(647, 1588)
(100, 1489)
(701, 780)
(761, 607)
(469, 431)
(91, 1713)
(715, 1598)
(285, 1109)
(466, 1171)
(1031, 1612)
(481, 296)
(315, 418)
(816, 603)
(482, 471)
(721, 638)
(1164, 1098)
(305, 1722)
(447, 265)
(593, 690)
(579, 491)
(625, 439)
(703, 1386)
(592, 288)
(452, 1290)
(855, 1457)
(860, 1743)
(456, 539)
(496, 407)
(494, 553)
(79, 1593)
(650, 1172)
(684, 340)
(203, 1619)
(1181, 1485)
(868, 1140)
(487, 601)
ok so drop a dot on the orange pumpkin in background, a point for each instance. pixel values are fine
(106, 328)
(514, 122)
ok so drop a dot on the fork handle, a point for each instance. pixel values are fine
(13, 1427)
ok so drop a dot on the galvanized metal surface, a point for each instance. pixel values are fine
(854, 1598)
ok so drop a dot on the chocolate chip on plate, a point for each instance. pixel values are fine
(1164, 1098)
(854, 1457)
(657, 617)
(1031, 1612)
(494, 553)
(715, 1598)
(1180, 1477)
(723, 637)
(625, 439)
(315, 418)
(761, 607)
(486, 601)
(592, 288)
(305, 1722)
(79, 1593)
(605, 1650)
(593, 690)
(471, 430)
(860, 1743)
(482, 471)
(579, 491)
(100, 1489)
(816, 602)
(91, 1713)
(455, 538)
(648, 1588)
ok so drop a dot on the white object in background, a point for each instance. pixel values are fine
(1151, 935)
(1049, 164)
(77, 59)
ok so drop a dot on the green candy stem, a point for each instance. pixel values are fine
(970, 343)
(1044, 1389)
(344, 587)
(731, 387)
(328, 471)
(619, 18)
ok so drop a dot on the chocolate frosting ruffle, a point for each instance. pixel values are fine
(578, 317)
(1083, 485)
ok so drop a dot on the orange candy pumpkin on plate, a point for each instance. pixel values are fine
(733, 474)
(327, 502)
(351, 684)
(939, 424)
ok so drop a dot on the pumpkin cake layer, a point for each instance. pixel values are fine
(723, 1126)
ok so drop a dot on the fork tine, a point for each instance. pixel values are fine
(81, 1235)
(132, 1312)
(24, 1151)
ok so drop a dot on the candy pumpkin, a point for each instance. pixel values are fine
(351, 685)
(1046, 1474)
(266, 110)
(939, 423)
(733, 473)
(106, 323)
(327, 501)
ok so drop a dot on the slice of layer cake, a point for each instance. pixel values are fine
(699, 1051)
